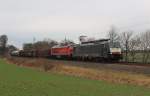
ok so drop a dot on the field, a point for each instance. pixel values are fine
(20, 81)
(138, 58)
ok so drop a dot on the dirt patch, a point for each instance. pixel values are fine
(113, 76)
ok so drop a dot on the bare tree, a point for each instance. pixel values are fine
(113, 35)
(12, 48)
(50, 42)
(145, 45)
(66, 42)
(27, 46)
(134, 45)
(125, 38)
(45, 44)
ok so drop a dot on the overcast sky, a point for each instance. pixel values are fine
(22, 20)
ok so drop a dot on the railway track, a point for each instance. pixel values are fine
(106, 62)
(133, 64)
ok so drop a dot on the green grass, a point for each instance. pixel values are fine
(18, 81)
(138, 57)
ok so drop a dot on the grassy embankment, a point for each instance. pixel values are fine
(19, 81)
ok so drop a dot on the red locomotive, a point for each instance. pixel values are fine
(62, 51)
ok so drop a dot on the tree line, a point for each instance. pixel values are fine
(5, 48)
(46, 44)
(135, 46)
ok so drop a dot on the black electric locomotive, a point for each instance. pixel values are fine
(99, 49)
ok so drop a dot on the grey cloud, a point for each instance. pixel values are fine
(22, 20)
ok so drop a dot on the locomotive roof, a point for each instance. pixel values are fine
(60, 46)
(93, 43)
(96, 41)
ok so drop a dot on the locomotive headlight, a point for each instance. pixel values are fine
(115, 50)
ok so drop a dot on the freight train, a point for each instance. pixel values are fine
(101, 49)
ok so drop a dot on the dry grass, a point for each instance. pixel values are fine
(40, 63)
(106, 75)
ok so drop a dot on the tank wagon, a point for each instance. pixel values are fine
(27, 53)
(14, 53)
